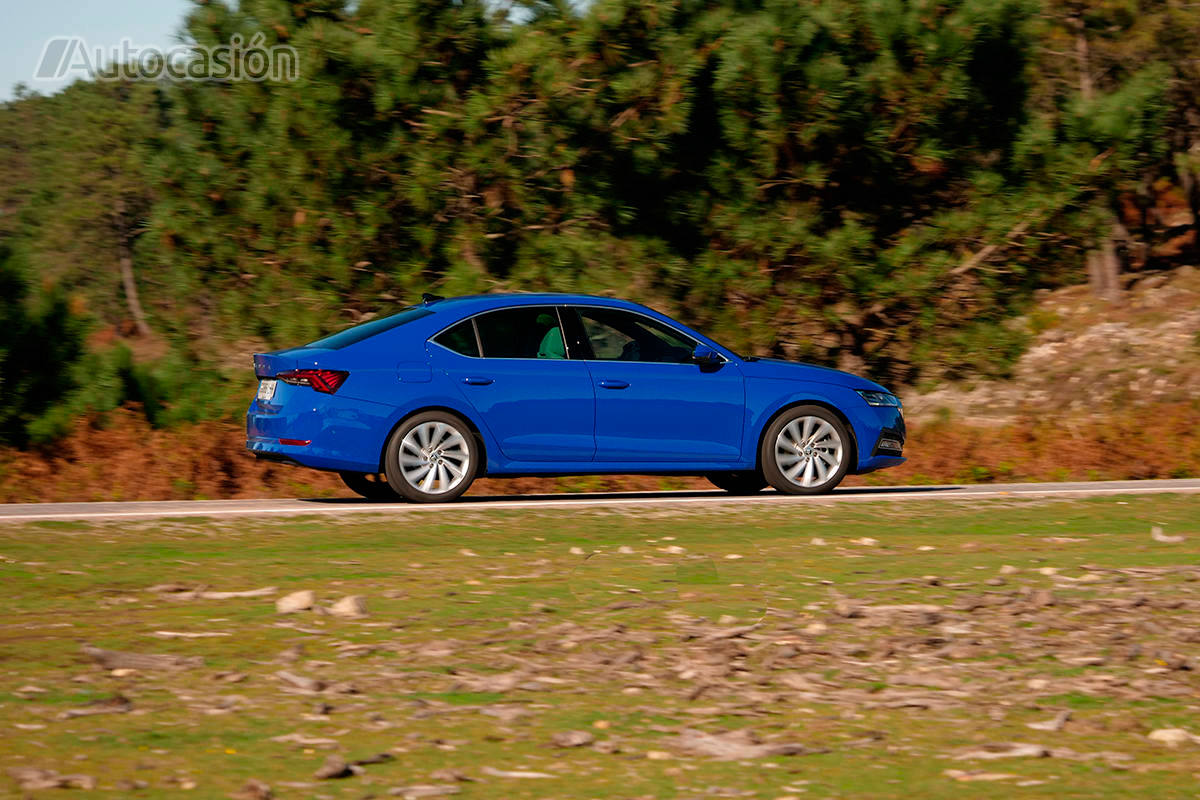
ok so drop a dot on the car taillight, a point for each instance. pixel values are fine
(323, 380)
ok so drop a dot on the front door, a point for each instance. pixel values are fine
(653, 404)
(538, 405)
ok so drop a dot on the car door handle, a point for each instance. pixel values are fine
(608, 383)
(472, 380)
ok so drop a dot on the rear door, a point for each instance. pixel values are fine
(653, 404)
(511, 365)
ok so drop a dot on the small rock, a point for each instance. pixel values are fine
(995, 582)
(32, 778)
(816, 628)
(1156, 533)
(1042, 598)
(1083, 661)
(1055, 724)
(513, 773)
(378, 758)
(349, 607)
(296, 601)
(1173, 661)
(291, 655)
(1005, 750)
(1009, 569)
(572, 739)
(423, 790)
(334, 767)
(965, 776)
(113, 659)
(1173, 737)
(733, 745)
(300, 681)
(254, 790)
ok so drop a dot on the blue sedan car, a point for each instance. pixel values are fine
(419, 404)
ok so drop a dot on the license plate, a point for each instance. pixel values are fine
(266, 389)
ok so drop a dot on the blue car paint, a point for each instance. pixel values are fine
(534, 409)
(552, 416)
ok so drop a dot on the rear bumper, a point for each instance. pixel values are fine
(306, 456)
(343, 434)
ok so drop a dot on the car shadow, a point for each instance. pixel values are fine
(559, 497)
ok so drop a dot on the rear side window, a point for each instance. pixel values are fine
(368, 329)
(526, 332)
(460, 339)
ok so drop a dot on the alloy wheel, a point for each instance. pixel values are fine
(808, 451)
(434, 457)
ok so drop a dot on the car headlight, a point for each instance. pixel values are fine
(880, 398)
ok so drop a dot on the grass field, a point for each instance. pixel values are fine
(873, 650)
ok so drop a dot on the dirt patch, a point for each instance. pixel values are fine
(1089, 357)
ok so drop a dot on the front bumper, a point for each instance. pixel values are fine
(887, 450)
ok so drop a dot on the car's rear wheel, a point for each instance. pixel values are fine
(432, 458)
(806, 450)
(748, 482)
(373, 486)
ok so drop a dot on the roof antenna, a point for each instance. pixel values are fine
(428, 298)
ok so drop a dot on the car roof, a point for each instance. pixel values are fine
(482, 302)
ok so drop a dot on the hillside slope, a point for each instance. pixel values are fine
(1090, 358)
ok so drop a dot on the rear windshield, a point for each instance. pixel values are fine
(368, 329)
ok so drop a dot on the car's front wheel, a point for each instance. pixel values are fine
(748, 482)
(432, 458)
(369, 485)
(806, 450)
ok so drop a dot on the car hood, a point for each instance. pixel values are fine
(778, 369)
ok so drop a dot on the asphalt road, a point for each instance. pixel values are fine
(30, 512)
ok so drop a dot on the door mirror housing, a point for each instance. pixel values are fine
(705, 356)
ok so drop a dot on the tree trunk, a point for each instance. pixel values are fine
(125, 261)
(131, 292)
(1104, 266)
(1083, 59)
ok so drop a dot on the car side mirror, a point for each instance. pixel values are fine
(705, 356)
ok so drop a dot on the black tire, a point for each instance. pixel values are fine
(812, 450)
(373, 486)
(741, 483)
(460, 441)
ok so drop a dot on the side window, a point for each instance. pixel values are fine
(525, 332)
(617, 335)
(460, 339)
